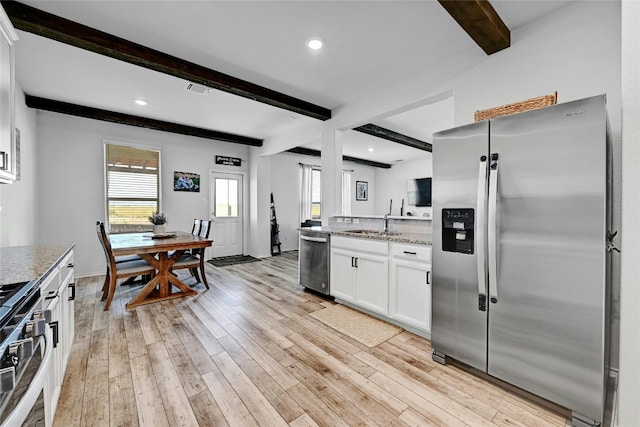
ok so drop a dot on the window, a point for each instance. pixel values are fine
(316, 194)
(311, 192)
(132, 178)
(226, 197)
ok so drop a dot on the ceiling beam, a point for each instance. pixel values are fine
(389, 135)
(480, 20)
(130, 120)
(316, 153)
(30, 19)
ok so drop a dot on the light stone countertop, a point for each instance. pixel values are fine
(394, 236)
(415, 238)
(26, 263)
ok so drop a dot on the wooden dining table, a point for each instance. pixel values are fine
(155, 249)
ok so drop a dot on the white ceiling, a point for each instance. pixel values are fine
(368, 45)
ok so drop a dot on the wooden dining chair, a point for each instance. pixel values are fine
(118, 270)
(195, 230)
(195, 260)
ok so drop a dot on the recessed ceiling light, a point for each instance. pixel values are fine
(140, 101)
(315, 43)
(370, 149)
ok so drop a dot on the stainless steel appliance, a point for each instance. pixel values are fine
(26, 351)
(520, 251)
(313, 260)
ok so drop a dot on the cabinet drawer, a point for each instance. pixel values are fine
(411, 252)
(50, 285)
(361, 245)
(66, 266)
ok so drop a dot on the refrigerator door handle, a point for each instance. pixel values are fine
(491, 234)
(480, 235)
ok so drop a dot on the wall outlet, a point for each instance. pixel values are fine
(356, 220)
(347, 220)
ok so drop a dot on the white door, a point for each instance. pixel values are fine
(226, 214)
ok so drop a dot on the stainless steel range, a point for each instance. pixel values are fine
(26, 343)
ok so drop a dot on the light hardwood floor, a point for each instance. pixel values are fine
(247, 353)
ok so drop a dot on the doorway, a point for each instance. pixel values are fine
(226, 213)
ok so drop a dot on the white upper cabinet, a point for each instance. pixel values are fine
(8, 149)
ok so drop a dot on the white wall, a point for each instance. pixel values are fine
(629, 387)
(71, 179)
(368, 175)
(19, 201)
(285, 184)
(392, 185)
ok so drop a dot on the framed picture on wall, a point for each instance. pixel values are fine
(186, 181)
(362, 190)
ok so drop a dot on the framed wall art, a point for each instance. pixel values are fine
(186, 181)
(362, 190)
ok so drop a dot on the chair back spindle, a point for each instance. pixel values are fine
(195, 230)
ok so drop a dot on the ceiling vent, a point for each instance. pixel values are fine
(199, 89)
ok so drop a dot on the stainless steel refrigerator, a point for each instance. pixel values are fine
(520, 261)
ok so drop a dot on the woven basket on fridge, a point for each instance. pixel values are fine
(516, 107)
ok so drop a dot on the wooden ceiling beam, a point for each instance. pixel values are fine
(389, 135)
(480, 20)
(316, 153)
(30, 19)
(130, 120)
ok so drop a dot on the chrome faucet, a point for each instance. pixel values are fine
(386, 224)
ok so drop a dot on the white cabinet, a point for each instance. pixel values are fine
(67, 293)
(387, 278)
(372, 283)
(359, 273)
(58, 293)
(8, 149)
(410, 285)
(343, 282)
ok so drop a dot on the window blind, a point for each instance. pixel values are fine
(133, 190)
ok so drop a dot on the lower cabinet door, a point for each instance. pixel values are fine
(342, 284)
(372, 283)
(410, 294)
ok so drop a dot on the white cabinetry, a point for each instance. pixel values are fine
(410, 285)
(359, 273)
(343, 273)
(58, 293)
(67, 293)
(8, 151)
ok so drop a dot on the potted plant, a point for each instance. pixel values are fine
(158, 219)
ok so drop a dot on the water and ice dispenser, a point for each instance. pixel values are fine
(458, 230)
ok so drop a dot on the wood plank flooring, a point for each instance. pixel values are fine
(247, 353)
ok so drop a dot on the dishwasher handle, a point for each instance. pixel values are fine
(313, 239)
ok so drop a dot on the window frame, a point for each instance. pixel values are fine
(142, 227)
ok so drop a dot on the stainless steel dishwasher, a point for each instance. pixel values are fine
(313, 260)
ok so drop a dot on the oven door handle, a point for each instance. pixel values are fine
(22, 409)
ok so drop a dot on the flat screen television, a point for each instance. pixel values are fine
(419, 192)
